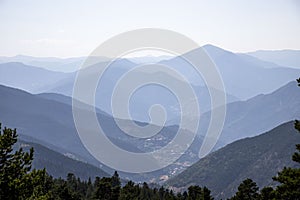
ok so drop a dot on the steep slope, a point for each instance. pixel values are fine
(258, 158)
(58, 165)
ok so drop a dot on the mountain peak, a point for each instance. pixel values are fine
(215, 51)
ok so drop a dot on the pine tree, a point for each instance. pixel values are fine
(267, 193)
(129, 191)
(116, 185)
(206, 194)
(247, 190)
(197, 193)
(16, 180)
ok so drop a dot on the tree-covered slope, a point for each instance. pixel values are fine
(258, 158)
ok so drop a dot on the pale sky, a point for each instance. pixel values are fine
(68, 28)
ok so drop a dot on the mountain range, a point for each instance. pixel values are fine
(47, 119)
(254, 77)
(36, 98)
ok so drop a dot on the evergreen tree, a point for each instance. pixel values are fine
(194, 192)
(16, 180)
(206, 194)
(247, 190)
(197, 193)
(103, 189)
(116, 185)
(267, 193)
(129, 191)
(161, 192)
(89, 189)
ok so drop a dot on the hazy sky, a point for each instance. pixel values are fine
(66, 28)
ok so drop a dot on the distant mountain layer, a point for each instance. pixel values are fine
(289, 58)
(258, 158)
(49, 63)
(58, 165)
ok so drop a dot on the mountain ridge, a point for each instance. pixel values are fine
(258, 158)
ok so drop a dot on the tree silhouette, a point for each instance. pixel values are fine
(16, 180)
(247, 190)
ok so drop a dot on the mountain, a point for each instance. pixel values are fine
(242, 77)
(258, 158)
(29, 78)
(288, 58)
(59, 165)
(258, 114)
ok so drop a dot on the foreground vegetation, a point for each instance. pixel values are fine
(19, 181)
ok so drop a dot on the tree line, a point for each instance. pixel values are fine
(18, 181)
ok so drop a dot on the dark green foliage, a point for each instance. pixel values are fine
(247, 190)
(267, 193)
(16, 180)
(289, 188)
(197, 193)
(129, 191)
(105, 189)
